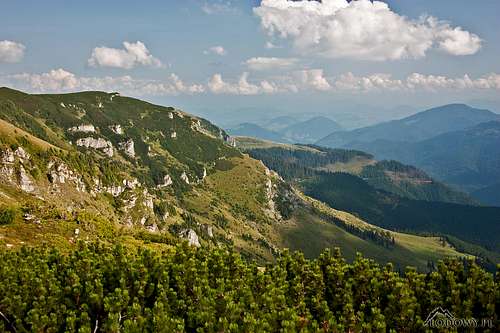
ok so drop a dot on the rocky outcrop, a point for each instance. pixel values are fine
(271, 210)
(167, 181)
(173, 135)
(170, 115)
(185, 177)
(22, 154)
(83, 128)
(100, 144)
(128, 147)
(59, 173)
(191, 236)
(25, 182)
(117, 129)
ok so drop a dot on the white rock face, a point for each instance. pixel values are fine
(152, 228)
(204, 174)
(131, 184)
(62, 105)
(185, 177)
(117, 129)
(8, 157)
(210, 231)
(270, 194)
(167, 181)
(83, 128)
(100, 143)
(128, 147)
(25, 181)
(61, 174)
(115, 190)
(148, 203)
(170, 115)
(22, 154)
(99, 105)
(191, 236)
(173, 135)
(7, 165)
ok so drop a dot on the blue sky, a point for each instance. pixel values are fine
(233, 61)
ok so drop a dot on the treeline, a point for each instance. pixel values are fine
(299, 163)
(97, 288)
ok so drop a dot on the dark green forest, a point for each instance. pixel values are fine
(99, 288)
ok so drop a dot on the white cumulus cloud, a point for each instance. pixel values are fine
(10, 51)
(267, 63)
(217, 50)
(132, 55)
(61, 80)
(360, 29)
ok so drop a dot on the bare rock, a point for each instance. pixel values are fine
(128, 147)
(100, 143)
(83, 128)
(191, 236)
(117, 129)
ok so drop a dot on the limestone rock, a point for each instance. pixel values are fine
(185, 177)
(191, 236)
(128, 147)
(100, 143)
(25, 181)
(22, 154)
(83, 128)
(167, 181)
(117, 129)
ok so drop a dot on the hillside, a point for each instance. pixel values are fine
(101, 167)
(310, 131)
(421, 126)
(386, 193)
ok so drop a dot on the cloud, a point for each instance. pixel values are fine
(218, 7)
(309, 80)
(360, 29)
(217, 85)
(132, 55)
(218, 50)
(60, 80)
(264, 63)
(270, 46)
(372, 82)
(313, 79)
(11, 52)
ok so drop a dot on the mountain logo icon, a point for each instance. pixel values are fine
(439, 314)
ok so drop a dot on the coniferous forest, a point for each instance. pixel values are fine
(99, 288)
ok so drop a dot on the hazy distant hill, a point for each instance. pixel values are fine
(287, 129)
(469, 159)
(421, 126)
(256, 131)
(279, 123)
(311, 130)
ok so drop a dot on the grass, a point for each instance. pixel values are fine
(7, 130)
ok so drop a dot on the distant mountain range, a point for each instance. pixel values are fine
(456, 144)
(418, 127)
(287, 129)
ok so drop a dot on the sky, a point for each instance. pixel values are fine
(357, 62)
